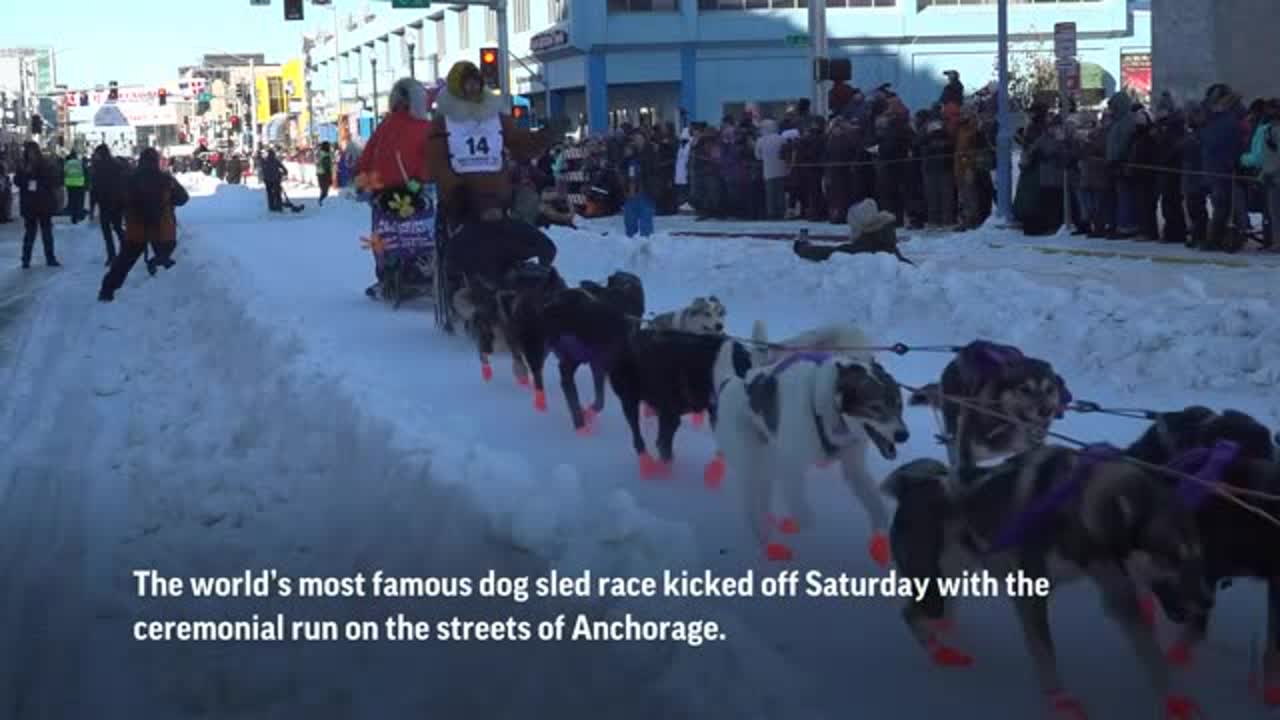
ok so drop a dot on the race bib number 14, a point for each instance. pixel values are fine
(475, 147)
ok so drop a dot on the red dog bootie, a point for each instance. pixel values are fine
(1065, 706)
(651, 468)
(486, 370)
(1147, 606)
(713, 474)
(1181, 707)
(522, 380)
(648, 411)
(945, 655)
(778, 552)
(588, 422)
(788, 526)
(878, 548)
(698, 419)
(540, 400)
(1179, 654)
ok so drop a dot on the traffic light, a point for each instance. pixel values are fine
(292, 9)
(113, 91)
(489, 67)
(37, 125)
(163, 96)
(84, 99)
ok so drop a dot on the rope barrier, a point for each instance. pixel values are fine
(1227, 492)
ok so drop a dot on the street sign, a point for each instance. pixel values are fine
(1064, 40)
(796, 40)
(410, 4)
(260, 2)
(1069, 78)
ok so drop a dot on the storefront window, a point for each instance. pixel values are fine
(625, 6)
(790, 4)
(922, 4)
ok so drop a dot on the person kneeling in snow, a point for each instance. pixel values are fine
(871, 230)
(152, 194)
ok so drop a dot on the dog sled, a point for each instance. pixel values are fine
(405, 242)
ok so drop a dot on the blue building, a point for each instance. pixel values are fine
(605, 62)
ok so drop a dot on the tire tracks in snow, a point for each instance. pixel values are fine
(48, 438)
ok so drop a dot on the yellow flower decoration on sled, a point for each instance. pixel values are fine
(402, 205)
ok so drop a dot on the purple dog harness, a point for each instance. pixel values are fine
(1024, 524)
(1206, 465)
(990, 358)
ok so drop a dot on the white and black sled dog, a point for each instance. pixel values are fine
(777, 420)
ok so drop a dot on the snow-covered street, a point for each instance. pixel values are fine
(251, 408)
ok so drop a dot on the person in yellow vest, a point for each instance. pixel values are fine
(73, 178)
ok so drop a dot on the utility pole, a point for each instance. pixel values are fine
(373, 62)
(1004, 137)
(337, 70)
(504, 47)
(817, 49)
(412, 74)
(253, 105)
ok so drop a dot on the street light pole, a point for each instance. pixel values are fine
(373, 62)
(412, 74)
(1004, 137)
(504, 47)
(817, 49)
(253, 105)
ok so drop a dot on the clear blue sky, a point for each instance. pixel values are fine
(144, 41)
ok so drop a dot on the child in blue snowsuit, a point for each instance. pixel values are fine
(638, 168)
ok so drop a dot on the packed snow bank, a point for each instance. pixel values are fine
(1176, 335)
(235, 454)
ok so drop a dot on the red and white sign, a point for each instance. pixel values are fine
(134, 113)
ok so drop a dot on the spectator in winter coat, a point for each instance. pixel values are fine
(968, 144)
(1144, 156)
(37, 184)
(839, 97)
(324, 169)
(857, 109)
(768, 151)
(840, 152)
(1221, 144)
(937, 161)
(1171, 134)
(639, 167)
(1195, 186)
(109, 185)
(151, 197)
(953, 93)
(704, 168)
(1051, 157)
(273, 173)
(6, 193)
(1119, 150)
(74, 177)
(682, 167)
(1270, 166)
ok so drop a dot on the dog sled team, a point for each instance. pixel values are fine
(1164, 522)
